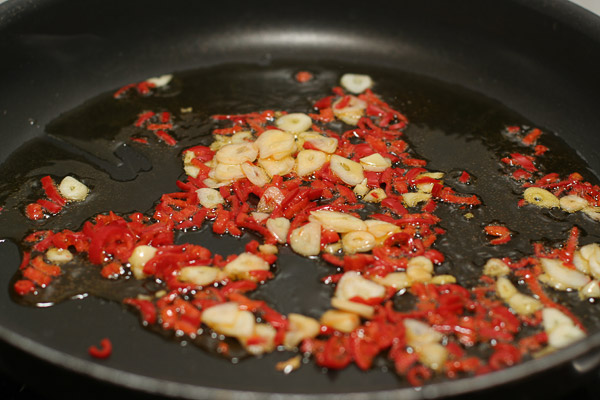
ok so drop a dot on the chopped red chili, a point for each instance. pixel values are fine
(102, 352)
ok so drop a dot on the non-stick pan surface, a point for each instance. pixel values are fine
(539, 58)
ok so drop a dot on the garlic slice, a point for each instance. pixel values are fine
(338, 221)
(356, 83)
(540, 197)
(306, 240)
(309, 161)
(350, 172)
(561, 277)
(279, 227)
(237, 153)
(139, 257)
(294, 123)
(209, 198)
(72, 189)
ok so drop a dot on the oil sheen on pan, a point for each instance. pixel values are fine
(439, 234)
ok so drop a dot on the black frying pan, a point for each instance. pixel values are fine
(538, 58)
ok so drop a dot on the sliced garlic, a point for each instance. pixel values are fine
(72, 189)
(375, 196)
(572, 203)
(581, 263)
(375, 162)
(139, 257)
(58, 256)
(419, 333)
(411, 199)
(243, 264)
(523, 304)
(361, 189)
(540, 197)
(589, 250)
(352, 284)
(358, 242)
(280, 167)
(338, 221)
(352, 112)
(505, 288)
(562, 277)
(442, 279)
(268, 249)
(591, 290)
(191, 170)
(209, 198)
(350, 172)
(323, 143)
(333, 248)
(267, 343)
(363, 310)
(228, 172)
(237, 153)
(306, 240)
(397, 280)
(560, 328)
(496, 267)
(381, 229)
(259, 216)
(240, 137)
(433, 355)
(419, 269)
(356, 83)
(276, 144)
(279, 227)
(340, 320)
(309, 161)
(160, 81)
(227, 319)
(270, 199)
(294, 123)
(199, 275)
(300, 327)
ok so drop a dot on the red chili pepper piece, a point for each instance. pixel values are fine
(165, 137)
(52, 191)
(531, 137)
(464, 177)
(34, 211)
(502, 233)
(49, 206)
(24, 286)
(102, 352)
(303, 76)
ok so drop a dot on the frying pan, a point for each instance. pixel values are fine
(538, 57)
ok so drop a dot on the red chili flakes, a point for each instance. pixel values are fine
(102, 352)
(143, 88)
(532, 137)
(540, 150)
(303, 76)
(165, 137)
(42, 207)
(526, 162)
(503, 234)
(34, 212)
(157, 123)
(464, 177)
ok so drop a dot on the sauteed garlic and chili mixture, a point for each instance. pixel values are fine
(338, 184)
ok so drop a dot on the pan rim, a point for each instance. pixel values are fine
(156, 386)
(461, 386)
